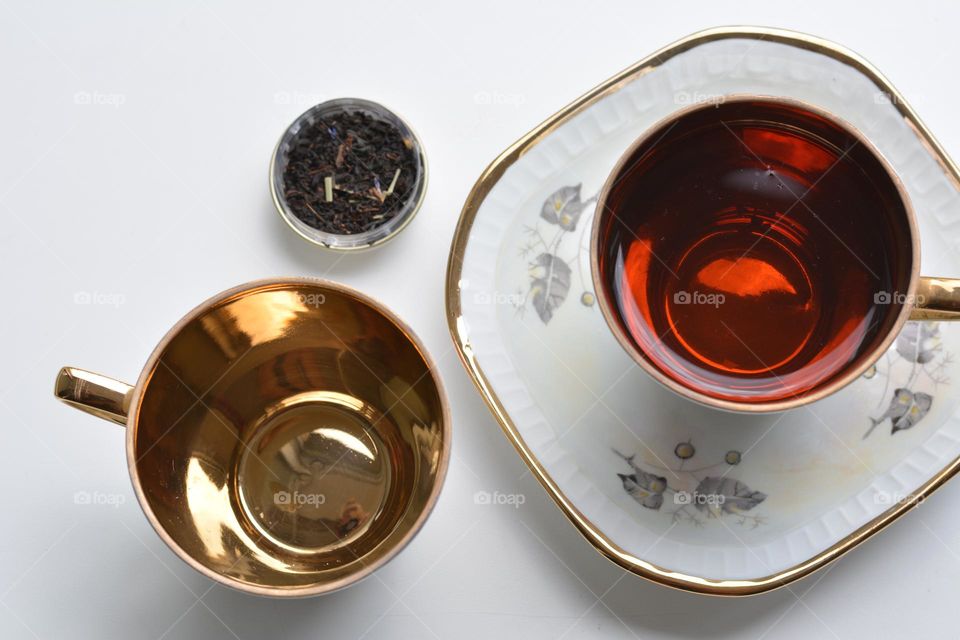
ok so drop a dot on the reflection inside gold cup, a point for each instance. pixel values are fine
(288, 437)
(315, 475)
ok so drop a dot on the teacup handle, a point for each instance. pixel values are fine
(96, 394)
(937, 299)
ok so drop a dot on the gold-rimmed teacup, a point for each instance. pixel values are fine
(758, 253)
(286, 438)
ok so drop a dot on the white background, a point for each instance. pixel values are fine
(154, 197)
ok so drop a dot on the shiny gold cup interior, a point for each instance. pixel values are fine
(285, 438)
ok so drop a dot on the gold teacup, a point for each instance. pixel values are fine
(286, 438)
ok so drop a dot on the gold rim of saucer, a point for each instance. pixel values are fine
(495, 171)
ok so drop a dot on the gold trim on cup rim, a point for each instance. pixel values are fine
(358, 241)
(612, 317)
(458, 331)
(122, 404)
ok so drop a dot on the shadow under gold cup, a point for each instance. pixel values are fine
(758, 253)
(286, 438)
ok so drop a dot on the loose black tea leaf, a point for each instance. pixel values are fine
(349, 172)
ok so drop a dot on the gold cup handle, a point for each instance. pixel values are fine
(96, 394)
(937, 299)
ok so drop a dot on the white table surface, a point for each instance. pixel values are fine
(154, 196)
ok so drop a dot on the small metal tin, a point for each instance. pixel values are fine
(358, 241)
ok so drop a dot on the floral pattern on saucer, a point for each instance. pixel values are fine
(919, 344)
(696, 494)
(549, 272)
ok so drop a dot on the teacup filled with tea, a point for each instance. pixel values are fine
(758, 253)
